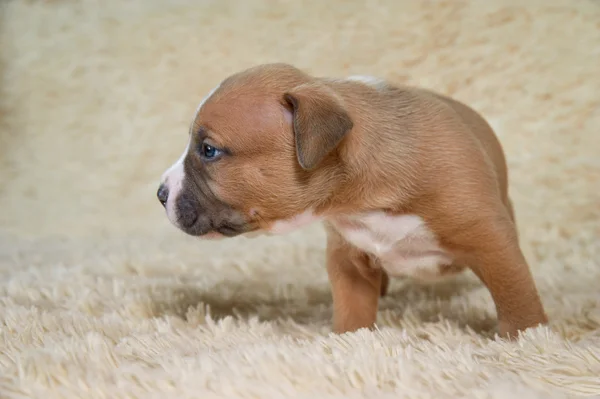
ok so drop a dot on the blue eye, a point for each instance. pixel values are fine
(209, 152)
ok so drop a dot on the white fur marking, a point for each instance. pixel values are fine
(373, 81)
(403, 244)
(174, 176)
(294, 223)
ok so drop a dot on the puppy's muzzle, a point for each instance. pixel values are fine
(187, 215)
(196, 214)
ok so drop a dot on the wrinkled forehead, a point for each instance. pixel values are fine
(239, 116)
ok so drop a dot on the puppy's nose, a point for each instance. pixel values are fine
(163, 194)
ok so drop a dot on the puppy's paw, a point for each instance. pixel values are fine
(510, 330)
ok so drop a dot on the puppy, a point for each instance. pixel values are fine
(406, 182)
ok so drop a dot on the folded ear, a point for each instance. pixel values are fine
(319, 120)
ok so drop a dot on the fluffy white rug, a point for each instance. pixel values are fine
(101, 298)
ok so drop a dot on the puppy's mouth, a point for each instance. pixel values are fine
(210, 230)
(218, 223)
(229, 230)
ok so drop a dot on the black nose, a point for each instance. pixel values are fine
(163, 194)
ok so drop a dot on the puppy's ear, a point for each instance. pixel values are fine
(319, 120)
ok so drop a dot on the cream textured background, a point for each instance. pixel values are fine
(100, 297)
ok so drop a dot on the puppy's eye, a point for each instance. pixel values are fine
(209, 152)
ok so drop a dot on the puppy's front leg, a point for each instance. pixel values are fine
(356, 285)
(492, 251)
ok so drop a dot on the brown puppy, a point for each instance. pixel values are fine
(407, 182)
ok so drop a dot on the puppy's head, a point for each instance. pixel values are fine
(260, 155)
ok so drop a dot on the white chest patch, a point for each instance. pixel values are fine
(403, 244)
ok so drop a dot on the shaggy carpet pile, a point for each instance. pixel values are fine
(100, 297)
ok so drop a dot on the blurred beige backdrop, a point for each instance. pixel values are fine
(95, 102)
